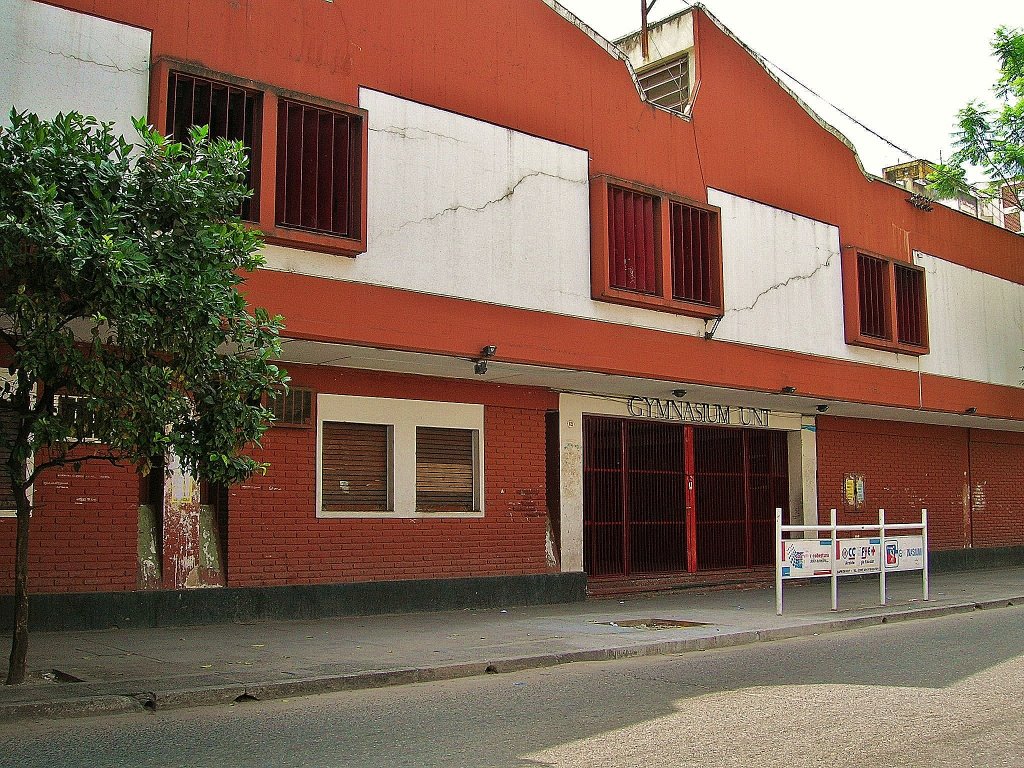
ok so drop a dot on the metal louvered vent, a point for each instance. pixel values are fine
(668, 84)
(355, 467)
(444, 470)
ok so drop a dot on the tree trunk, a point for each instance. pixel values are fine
(18, 666)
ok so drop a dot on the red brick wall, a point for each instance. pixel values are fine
(905, 467)
(84, 532)
(276, 538)
(997, 502)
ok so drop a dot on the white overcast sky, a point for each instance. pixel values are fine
(903, 67)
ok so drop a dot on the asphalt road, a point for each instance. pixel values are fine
(939, 692)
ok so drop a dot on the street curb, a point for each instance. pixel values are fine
(176, 698)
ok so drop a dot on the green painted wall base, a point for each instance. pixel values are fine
(103, 610)
(968, 559)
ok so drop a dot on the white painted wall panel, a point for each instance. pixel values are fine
(976, 323)
(54, 60)
(783, 283)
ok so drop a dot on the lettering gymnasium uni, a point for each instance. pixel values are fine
(699, 413)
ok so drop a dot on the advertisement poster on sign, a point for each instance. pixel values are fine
(855, 556)
(904, 553)
(806, 558)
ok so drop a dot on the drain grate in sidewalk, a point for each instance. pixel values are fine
(654, 623)
(54, 676)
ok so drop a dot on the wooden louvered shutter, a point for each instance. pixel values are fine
(444, 470)
(8, 429)
(354, 473)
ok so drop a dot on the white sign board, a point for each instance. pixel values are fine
(809, 558)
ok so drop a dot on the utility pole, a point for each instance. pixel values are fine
(645, 8)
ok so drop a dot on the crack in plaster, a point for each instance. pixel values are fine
(104, 65)
(511, 190)
(404, 133)
(783, 284)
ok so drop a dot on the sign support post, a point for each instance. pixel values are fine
(881, 570)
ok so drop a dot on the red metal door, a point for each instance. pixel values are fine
(634, 499)
(741, 476)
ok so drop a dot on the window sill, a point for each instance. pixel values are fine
(655, 302)
(887, 346)
(313, 241)
(392, 515)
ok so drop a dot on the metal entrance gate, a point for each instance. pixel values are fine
(741, 476)
(638, 518)
(634, 510)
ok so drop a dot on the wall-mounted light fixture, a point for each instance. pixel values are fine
(480, 365)
(679, 393)
(787, 390)
(821, 408)
(971, 411)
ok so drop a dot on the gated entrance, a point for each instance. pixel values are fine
(663, 498)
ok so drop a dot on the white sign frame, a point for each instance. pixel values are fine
(835, 557)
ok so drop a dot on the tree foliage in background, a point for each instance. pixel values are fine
(991, 138)
(119, 270)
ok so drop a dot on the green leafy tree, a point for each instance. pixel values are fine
(991, 138)
(119, 270)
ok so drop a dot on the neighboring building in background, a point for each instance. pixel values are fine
(913, 177)
(551, 310)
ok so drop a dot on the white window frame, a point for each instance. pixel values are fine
(402, 417)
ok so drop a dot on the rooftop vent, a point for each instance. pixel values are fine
(667, 83)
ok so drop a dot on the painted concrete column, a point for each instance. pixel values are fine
(803, 473)
(181, 514)
(570, 438)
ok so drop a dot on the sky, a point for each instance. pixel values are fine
(902, 67)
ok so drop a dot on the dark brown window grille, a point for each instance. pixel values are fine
(632, 240)
(319, 169)
(444, 470)
(668, 85)
(231, 112)
(354, 467)
(910, 305)
(1012, 221)
(694, 253)
(73, 410)
(872, 279)
(8, 431)
(293, 408)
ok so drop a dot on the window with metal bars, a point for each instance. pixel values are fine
(668, 84)
(873, 292)
(74, 411)
(355, 459)
(885, 301)
(444, 470)
(319, 169)
(633, 240)
(231, 113)
(694, 253)
(654, 250)
(8, 431)
(293, 408)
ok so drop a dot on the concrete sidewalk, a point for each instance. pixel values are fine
(120, 670)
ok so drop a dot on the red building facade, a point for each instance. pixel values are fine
(698, 313)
